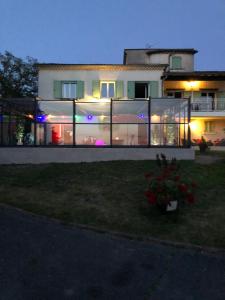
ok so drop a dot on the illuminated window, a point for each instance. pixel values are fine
(174, 94)
(209, 126)
(69, 90)
(107, 89)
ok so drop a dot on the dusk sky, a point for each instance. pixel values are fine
(97, 31)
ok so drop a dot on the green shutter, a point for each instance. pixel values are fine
(57, 89)
(119, 89)
(96, 88)
(176, 62)
(154, 89)
(131, 89)
(80, 90)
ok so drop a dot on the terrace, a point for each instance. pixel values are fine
(154, 122)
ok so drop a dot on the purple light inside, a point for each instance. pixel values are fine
(89, 117)
(141, 116)
(99, 143)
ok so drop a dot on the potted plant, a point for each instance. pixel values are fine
(203, 146)
(167, 189)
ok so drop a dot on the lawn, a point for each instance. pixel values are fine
(110, 195)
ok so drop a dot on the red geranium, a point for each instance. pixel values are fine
(183, 187)
(151, 197)
(190, 198)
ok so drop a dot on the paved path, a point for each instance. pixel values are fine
(41, 259)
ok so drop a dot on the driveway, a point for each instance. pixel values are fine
(43, 259)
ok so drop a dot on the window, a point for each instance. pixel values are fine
(141, 90)
(176, 62)
(69, 90)
(107, 89)
(209, 126)
(174, 94)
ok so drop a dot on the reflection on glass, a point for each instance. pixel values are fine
(130, 134)
(54, 134)
(55, 111)
(164, 134)
(93, 134)
(168, 110)
(130, 112)
(93, 112)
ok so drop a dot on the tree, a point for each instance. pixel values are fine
(18, 77)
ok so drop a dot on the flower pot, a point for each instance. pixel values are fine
(172, 206)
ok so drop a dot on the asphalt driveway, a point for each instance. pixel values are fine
(43, 259)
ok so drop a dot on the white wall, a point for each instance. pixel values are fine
(73, 155)
(165, 58)
(47, 77)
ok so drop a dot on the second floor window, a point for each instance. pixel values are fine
(176, 62)
(107, 89)
(69, 90)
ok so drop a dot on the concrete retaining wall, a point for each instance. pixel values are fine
(73, 155)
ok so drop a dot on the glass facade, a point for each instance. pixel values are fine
(155, 122)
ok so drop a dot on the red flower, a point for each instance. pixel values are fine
(151, 197)
(148, 175)
(177, 178)
(190, 198)
(183, 187)
(194, 184)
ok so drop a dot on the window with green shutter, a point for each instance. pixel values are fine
(131, 89)
(96, 88)
(176, 62)
(119, 89)
(57, 89)
(154, 89)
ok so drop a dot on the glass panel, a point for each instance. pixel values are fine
(54, 134)
(17, 131)
(129, 134)
(93, 112)
(55, 111)
(165, 134)
(169, 110)
(93, 135)
(104, 90)
(130, 111)
(111, 90)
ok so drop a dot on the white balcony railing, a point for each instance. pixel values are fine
(201, 104)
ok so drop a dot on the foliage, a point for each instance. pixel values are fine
(18, 77)
(167, 185)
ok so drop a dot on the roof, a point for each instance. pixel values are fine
(164, 50)
(90, 67)
(196, 75)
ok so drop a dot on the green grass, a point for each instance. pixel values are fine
(110, 195)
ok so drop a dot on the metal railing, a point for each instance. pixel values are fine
(201, 104)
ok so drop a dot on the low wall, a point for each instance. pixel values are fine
(73, 155)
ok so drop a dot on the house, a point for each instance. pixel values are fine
(205, 88)
(111, 107)
(144, 102)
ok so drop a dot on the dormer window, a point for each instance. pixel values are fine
(176, 62)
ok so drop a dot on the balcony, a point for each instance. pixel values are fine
(203, 107)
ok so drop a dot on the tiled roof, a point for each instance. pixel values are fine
(112, 67)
